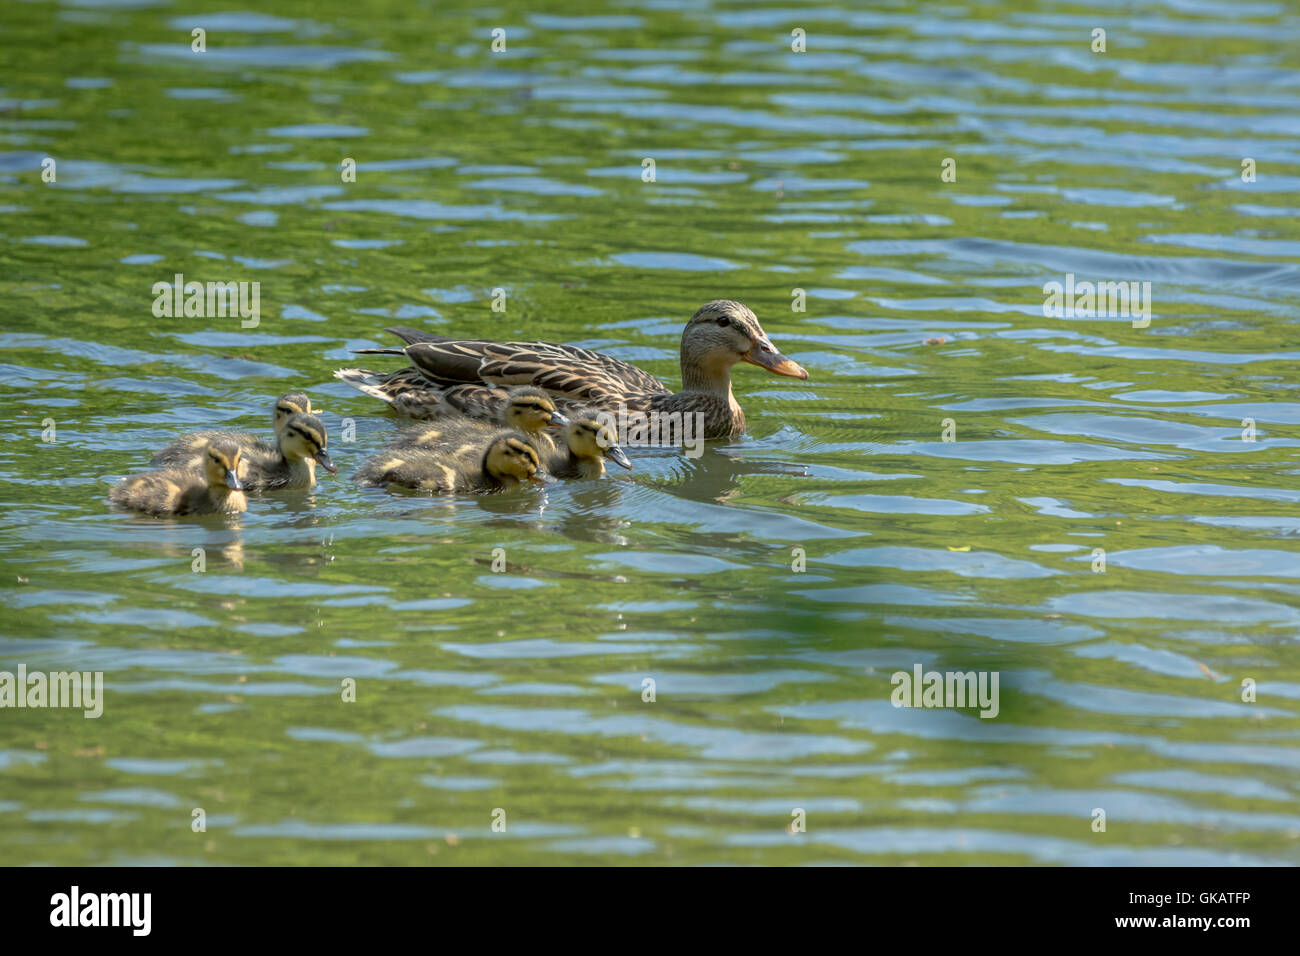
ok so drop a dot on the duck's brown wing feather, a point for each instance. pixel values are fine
(564, 370)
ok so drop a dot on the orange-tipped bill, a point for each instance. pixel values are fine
(765, 355)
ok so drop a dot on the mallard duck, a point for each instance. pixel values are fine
(522, 408)
(293, 464)
(187, 450)
(504, 461)
(589, 442)
(214, 489)
(449, 371)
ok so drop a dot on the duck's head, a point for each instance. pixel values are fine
(221, 465)
(531, 409)
(722, 333)
(288, 405)
(510, 456)
(589, 437)
(304, 437)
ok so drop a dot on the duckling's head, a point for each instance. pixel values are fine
(288, 405)
(531, 409)
(510, 456)
(304, 437)
(221, 465)
(722, 333)
(589, 437)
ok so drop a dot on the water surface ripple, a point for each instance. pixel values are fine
(1120, 689)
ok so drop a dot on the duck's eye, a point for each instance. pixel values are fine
(724, 320)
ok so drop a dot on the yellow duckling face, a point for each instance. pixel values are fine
(588, 437)
(512, 457)
(722, 333)
(221, 465)
(531, 409)
(304, 437)
(288, 405)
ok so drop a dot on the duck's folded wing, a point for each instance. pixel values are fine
(564, 370)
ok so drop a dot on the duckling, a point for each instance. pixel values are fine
(215, 489)
(187, 451)
(293, 464)
(590, 441)
(525, 408)
(503, 463)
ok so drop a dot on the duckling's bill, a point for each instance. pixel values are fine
(616, 454)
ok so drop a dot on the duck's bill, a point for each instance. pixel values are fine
(558, 419)
(324, 461)
(233, 482)
(538, 478)
(765, 355)
(617, 456)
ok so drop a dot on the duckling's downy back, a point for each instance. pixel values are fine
(216, 489)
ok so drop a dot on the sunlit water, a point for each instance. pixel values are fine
(522, 691)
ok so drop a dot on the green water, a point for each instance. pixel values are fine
(521, 690)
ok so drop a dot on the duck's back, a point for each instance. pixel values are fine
(156, 492)
(461, 436)
(566, 371)
(445, 433)
(186, 452)
(173, 492)
(424, 469)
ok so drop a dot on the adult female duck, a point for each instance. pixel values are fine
(473, 374)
